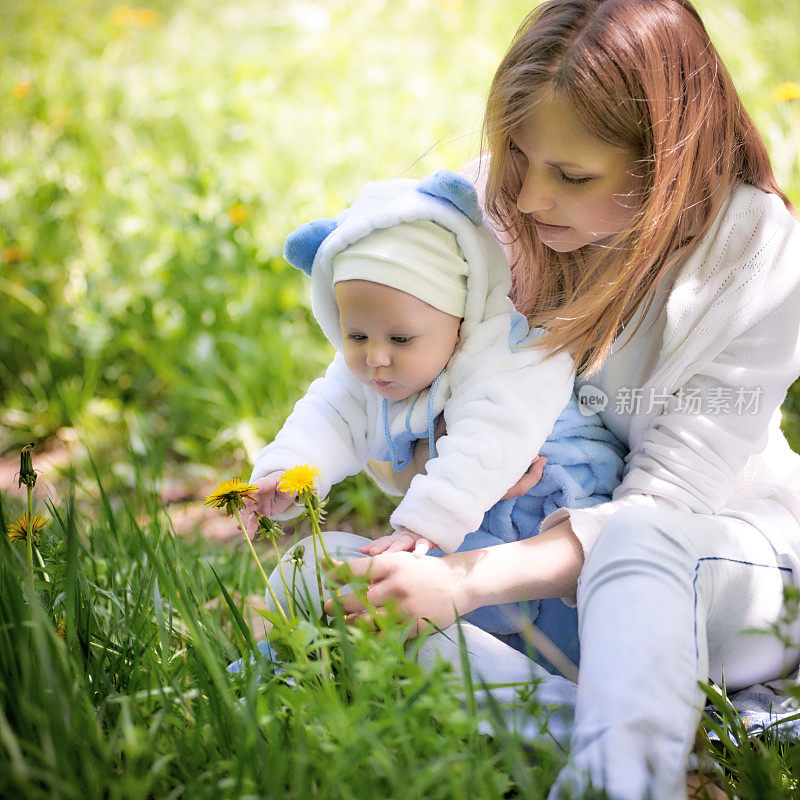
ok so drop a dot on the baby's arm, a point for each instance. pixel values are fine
(403, 539)
(328, 429)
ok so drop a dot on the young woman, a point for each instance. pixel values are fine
(648, 236)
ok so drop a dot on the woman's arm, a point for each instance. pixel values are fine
(436, 589)
(546, 565)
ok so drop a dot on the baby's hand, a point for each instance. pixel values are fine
(401, 539)
(268, 501)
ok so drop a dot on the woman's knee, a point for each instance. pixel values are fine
(339, 544)
(641, 538)
(298, 575)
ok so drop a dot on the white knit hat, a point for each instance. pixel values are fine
(420, 258)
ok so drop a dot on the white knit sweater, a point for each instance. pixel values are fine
(708, 369)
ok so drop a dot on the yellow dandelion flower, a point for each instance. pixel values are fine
(61, 629)
(299, 479)
(787, 91)
(18, 529)
(231, 494)
(21, 89)
(135, 17)
(238, 214)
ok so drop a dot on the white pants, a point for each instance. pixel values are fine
(665, 599)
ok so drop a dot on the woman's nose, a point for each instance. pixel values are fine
(533, 196)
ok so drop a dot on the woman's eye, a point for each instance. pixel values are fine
(512, 148)
(574, 181)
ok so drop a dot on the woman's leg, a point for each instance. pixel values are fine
(663, 600)
(491, 661)
(301, 578)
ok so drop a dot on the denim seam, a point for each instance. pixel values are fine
(694, 587)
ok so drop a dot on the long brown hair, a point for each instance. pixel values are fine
(642, 75)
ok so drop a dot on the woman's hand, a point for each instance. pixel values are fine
(422, 588)
(425, 588)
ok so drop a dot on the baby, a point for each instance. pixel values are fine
(411, 286)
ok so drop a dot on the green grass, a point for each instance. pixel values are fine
(135, 702)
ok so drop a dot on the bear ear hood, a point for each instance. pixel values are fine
(301, 245)
(445, 198)
(455, 189)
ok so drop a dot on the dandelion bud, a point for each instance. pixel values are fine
(27, 474)
(297, 556)
(267, 529)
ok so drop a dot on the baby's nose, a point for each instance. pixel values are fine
(378, 356)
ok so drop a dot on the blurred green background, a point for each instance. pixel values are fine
(152, 160)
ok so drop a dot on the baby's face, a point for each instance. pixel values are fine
(393, 342)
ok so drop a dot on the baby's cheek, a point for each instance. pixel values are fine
(351, 362)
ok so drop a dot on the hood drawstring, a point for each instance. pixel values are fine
(398, 465)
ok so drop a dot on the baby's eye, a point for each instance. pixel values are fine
(401, 339)
(357, 337)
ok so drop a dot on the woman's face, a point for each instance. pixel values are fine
(578, 189)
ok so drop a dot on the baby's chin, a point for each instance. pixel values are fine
(392, 390)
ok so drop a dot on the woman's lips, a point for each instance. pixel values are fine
(546, 226)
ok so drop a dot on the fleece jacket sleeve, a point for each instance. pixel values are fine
(328, 429)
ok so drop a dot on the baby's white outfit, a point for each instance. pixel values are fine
(500, 398)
